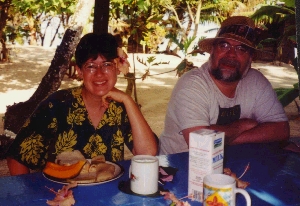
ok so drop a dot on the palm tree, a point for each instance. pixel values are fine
(274, 17)
(280, 22)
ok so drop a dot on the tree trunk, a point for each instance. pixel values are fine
(298, 40)
(5, 5)
(4, 51)
(32, 31)
(17, 114)
(101, 16)
(197, 18)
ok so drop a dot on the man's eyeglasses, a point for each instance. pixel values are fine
(105, 67)
(239, 49)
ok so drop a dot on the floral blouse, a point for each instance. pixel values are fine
(61, 123)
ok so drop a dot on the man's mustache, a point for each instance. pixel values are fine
(230, 62)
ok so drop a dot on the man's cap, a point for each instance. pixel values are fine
(238, 28)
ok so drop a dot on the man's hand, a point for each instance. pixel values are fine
(235, 129)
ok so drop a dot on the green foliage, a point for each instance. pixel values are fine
(184, 66)
(290, 3)
(182, 45)
(149, 63)
(137, 20)
(187, 43)
(276, 15)
(153, 36)
(174, 39)
(273, 14)
(28, 15)
(287, 95)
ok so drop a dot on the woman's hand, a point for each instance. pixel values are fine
(144, 141)
(116, 95)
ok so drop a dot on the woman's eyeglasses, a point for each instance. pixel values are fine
(105, 67)
(239, 49)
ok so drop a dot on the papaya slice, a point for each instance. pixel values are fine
(62, 171)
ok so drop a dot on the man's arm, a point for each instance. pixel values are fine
(247, 131)
(264, 132)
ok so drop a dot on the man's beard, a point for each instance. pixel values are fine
(234, 76)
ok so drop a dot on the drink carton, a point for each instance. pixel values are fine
(206, 151)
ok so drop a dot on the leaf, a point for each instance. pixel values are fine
(31, 148)
(141, 61)
(65, 141)
(181, 66)
(151, 59)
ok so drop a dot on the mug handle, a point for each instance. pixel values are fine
(245, 194)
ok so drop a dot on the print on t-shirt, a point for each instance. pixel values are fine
(229, 115)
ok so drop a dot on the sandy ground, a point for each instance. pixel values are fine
(20, 78)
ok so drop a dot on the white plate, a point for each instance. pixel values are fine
(119, 171)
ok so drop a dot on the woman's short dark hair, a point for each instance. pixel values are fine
(92, 45)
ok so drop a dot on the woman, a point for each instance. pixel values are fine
(95, 118)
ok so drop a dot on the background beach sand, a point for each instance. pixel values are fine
(20, 78)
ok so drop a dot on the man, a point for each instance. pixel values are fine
(225, 94)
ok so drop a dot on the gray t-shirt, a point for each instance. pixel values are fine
(197, 101)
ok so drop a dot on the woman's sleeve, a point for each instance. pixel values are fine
(32, 142)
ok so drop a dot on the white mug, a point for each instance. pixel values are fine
(221, 188)
(143, 174)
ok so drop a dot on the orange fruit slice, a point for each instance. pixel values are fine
(63, 172)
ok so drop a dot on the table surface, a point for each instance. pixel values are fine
(274, 177)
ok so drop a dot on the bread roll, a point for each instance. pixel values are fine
(69, 157)
(93, 168)
(105, 172)
(98, 159)
(84, 178)
(85, 168)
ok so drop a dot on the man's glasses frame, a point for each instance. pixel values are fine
(239, 49)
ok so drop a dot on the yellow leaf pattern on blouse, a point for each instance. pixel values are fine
(50, 105)
(126, 118)
(31, 148)
(118, 139)
(53, 124)
(113, 117)
(117, 142)
(95, 146)
(76, 116)
(130, 137)
(65, 141)
(77, 94)
(116, 155)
